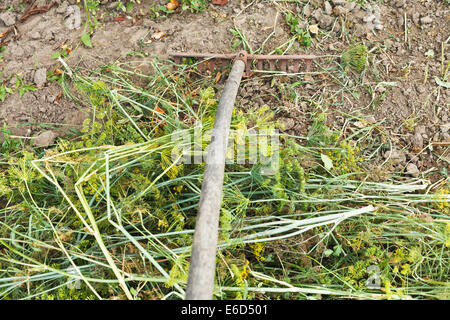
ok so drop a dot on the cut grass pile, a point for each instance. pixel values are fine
(109, 214)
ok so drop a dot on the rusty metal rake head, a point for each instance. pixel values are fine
(262, 62)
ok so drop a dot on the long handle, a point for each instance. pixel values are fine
(203, 258)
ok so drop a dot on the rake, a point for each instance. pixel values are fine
(200, 284)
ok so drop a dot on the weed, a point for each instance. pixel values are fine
(3, 91)
(302, 34)
(196, 6)
(241, 40)
(2, 48)
(355, 58)
(23, 87)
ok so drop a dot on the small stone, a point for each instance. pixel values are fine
(417, 140)
(369, 18)
(287, 123)
(8, 18)
(62, 8)
(350, 6)
(378, 26)
(416, 17)
(388, 43)
(400, 21)
(73, 17)
(359, 14)
(339, 2)
(307, 11)
(317, 14)
(445, 127)
(327, 8)
(370, 26)
(426, 20)
(16, 50)
(420, 88)
(323, 20)
(112, 5)
(445, 137)
(360, 30)
(35, 35)
(412, 170)
(40, 77)
(436, 137)
(396, 155)
(377, 15)
(44, 139)
(340, 10)
(400, 3)
(420, 129)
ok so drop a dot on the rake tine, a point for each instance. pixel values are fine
(201, 64)
(283, 65)
(271, 65)
(308, 64)
(260, 64)
(177, 61)
(274, 61)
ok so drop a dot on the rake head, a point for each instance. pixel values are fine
(262, 62)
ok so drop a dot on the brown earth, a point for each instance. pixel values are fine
(398, 90)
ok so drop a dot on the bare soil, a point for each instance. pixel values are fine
(399, 90)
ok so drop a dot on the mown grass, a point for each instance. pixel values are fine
(109, 215)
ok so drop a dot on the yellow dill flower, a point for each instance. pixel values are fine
(244, 272)
(258, 250)
(443, 197)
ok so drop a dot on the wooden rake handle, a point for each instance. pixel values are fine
(202, 267)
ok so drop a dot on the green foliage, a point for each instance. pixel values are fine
(196, 6)
(320, 134)
(302, 35)
(241, 40)
(23, 87)
(2, 48)
(61, 53)
(143, 204)
(3, 91)
(86, 39)
(64, 293)
(355, 58)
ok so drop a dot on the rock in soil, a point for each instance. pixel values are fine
(73, 19)
(287, 123)
(327, 8)
(396, 155)
(412, 170)
(40, 77)
(417, 140)
(426, 20)
(45, 139)
(8, 18)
